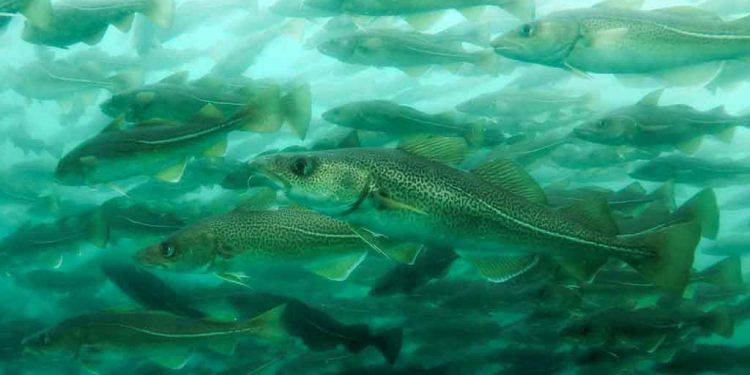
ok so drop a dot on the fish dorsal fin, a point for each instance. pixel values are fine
(502, 268)
(176, 78)
(264, 199)
(688, 11)
(339, 268)
(508, 175)
(620, 4)
(593, 213)
(652, 98)
(446, 150)
(209, 113)
(635, 188)
(115, 125)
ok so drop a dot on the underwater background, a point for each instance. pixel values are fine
(139, 236)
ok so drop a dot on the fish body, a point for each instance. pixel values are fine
(524, 9)
(147, 148)
(694, 171)
(390, 117)
(605, 39)
(87, 21)
(411, 198)
(516, 102)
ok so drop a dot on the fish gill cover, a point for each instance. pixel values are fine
(374, 186)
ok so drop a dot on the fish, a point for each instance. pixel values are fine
(611, 38)
(69, 84)
(706, 359)
(75, 21)
(414, 11)
(698, 172)
(158, 148)
(249, 235)
(148, 290)
(736, 245)
(583, 157)
(432, 263)
(129, 218)
(410, 52)
(632, 197)
(407, 195)
(165, 339)
(60, 282)
(537, 104)
(174, 98)
(401, 120)
(647, 125)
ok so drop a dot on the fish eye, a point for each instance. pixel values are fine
(527, 30)
(601, 124)
(302, 166)
(167, 249)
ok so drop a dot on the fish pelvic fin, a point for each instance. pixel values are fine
(268, 325)
(673, 250)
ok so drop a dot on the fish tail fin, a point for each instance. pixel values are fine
(703, 209)
(720, 321)
(126, 80)
(525, 10)
(673, 253)
(160, 12)
(389, 344)
(296, 108)
(38, 12)
(725, 274)
(268, 325)
(665, 194)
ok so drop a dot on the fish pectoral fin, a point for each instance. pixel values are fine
(691, 146)
(508, 175)
(726, 135)
(423, 21)
(448, 150)
(583, 269)
(338, 268)
(502, 268)
(209, 113)
(593, 213)
(222, 345)
(175, 359)
(652, 98)
(217, 150)
(173, 173)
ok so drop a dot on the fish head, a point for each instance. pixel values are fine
(75, 168)
(609, 130)
(658, 170)
(117, 104)
(55, 342)
(342, 115)
(585, 331)
(342, 48)
(189, 250)
(546, 42)
(330, 182)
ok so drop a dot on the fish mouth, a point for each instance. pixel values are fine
(144, 258)
(505, 44)
(260, 171)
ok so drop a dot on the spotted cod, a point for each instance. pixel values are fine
(495, 216)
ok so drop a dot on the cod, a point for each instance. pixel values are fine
(611, 38)
(249, 235)
(156, 147)
(495, 216)
(169, 340)
(74, 21)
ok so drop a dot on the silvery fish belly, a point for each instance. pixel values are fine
(374, 186)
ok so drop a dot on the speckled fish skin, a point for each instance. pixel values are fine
(394, 8)
(449, 207)
(286, 234)
(608, 40)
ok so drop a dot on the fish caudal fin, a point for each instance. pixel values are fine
(725, 274)
(523, 9)
(160, 12)
(38, 13)
(389, 344)
(674, 250)
(296, 107)
(701, 208)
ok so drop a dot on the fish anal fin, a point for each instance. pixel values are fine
(508, 175)
(691, 146)
(693, 75)
(405, 253)
(338, 268)
(726, 135)
(217, 150)
(173, 173)
(502, 268)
